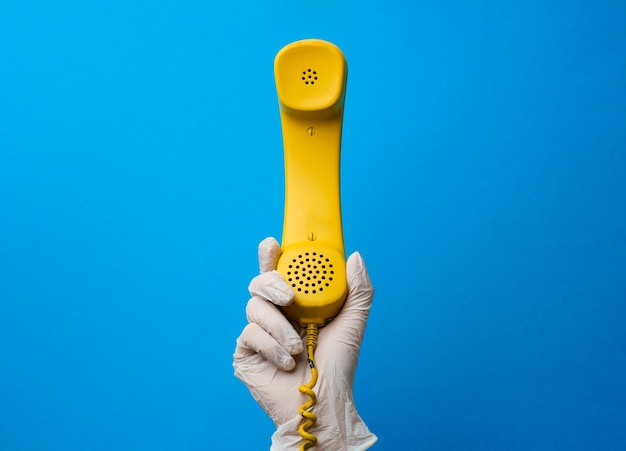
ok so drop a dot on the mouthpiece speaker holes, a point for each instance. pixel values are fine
(309, 76)
(311, 272)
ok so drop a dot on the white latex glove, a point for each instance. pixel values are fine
(271, 360)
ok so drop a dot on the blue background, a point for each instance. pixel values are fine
(483, 180)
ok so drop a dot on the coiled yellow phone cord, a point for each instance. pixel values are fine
(308, 417)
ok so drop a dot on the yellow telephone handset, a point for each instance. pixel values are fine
(311, 83)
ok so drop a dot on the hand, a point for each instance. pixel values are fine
(270, 358)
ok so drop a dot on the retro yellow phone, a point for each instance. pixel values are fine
(311, 84)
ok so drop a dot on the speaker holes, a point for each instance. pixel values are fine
(310, 272)
(309, 76)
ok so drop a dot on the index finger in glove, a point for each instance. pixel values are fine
(269, 253)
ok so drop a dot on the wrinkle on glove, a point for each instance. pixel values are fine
(272, 287)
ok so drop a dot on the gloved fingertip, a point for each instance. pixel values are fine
(287, 364)
(356, 270)
(269, 253)
(356, 259)
(271, 286)
(294, 347)
(283, 294)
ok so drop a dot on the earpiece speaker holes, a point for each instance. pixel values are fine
(309, 76)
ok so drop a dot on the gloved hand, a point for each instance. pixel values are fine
(271, 360)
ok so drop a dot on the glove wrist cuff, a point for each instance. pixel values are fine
(346, 432)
